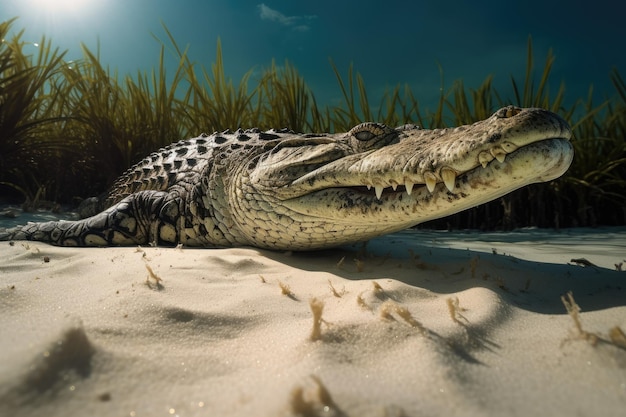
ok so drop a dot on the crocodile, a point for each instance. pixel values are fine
(280, 190)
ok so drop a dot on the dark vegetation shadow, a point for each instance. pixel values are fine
(73, 353)
(531, 285)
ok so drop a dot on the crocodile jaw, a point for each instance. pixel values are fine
(396, 210)
(539, 162)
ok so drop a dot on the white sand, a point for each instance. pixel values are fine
(87, 334)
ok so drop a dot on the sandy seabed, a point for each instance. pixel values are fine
(416, 324)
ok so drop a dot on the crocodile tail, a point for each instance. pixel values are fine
(130, 222)
(66, 233)
(52, 232)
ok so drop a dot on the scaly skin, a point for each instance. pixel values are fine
(281, 190)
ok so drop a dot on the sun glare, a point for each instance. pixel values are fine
(57, 18)
(60, 6)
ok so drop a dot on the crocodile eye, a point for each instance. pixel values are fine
(368, 131)
(508, 111)
(364, 135)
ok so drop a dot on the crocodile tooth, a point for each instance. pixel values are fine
(431, 181)
(448, 176)
(369, 187)
(394, 185)
(499, 154)
(379, 191)
(484, 158)
(508, 147)
(409, 187)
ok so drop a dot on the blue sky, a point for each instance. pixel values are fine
(390, 42)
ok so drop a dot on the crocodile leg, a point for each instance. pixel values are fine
(141, 218)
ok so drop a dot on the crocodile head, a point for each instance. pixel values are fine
(316, 191)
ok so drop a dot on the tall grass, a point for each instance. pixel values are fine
(213, 101)
(31, 107)
(68, 129)
(118, 122)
